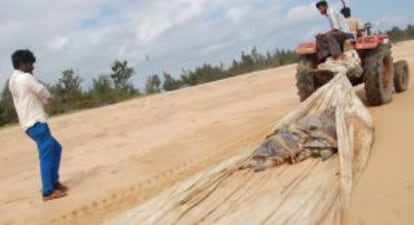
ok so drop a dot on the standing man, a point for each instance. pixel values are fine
(29, 96)
(331, 42)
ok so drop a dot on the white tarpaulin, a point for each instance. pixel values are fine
(309, 192)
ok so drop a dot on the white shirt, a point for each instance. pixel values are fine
(28, 97)
(337, 21)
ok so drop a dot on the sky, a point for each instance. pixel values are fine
(164, 35)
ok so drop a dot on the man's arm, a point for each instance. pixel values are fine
(45, 95)
(333, 19)
(39, 89)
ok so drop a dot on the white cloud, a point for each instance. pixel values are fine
(58, 43)
(89, 34)
(302, 13)
(236, 13)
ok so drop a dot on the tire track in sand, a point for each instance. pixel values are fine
(98, 210)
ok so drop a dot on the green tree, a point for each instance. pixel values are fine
(247, 63)
(410, 31)
(69, 82)
(102, 92)
(7, 111)
(153, 84)
(203, 74)
(397, 34)
(258, 59)
(67, 93)
(102, 85)
(169, 83)
(121, 75)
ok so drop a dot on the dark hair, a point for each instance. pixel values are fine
(22, 56)
(321, 3)
(346, 11)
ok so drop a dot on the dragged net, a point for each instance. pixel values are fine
(311, 191)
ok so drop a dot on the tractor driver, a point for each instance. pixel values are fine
(330, 43)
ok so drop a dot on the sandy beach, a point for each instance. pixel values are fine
(118, 156)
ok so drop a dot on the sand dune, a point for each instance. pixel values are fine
(118, 156)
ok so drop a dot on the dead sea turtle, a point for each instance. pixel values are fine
(311, 135)
(283, 145)
(321, 137)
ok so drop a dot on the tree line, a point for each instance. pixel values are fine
(116, 86)
(397, 34)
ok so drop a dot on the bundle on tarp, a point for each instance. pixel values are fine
(309, 192)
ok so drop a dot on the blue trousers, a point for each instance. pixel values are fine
(49, 156)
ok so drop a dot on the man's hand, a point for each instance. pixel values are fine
(45, 96)
(48, 101)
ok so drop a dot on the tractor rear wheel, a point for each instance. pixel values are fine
(304, 80)
(401, 76)
(378, 75)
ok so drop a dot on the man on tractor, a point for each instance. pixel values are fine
(330, 43)
(367, 59)
(355, 25)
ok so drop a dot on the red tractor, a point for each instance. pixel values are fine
(380, 74)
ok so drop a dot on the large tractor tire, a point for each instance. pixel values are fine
(378, 75)
(401, 76)
(304, 80)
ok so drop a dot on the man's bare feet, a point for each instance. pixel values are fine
(55, 195)
(61, 187)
